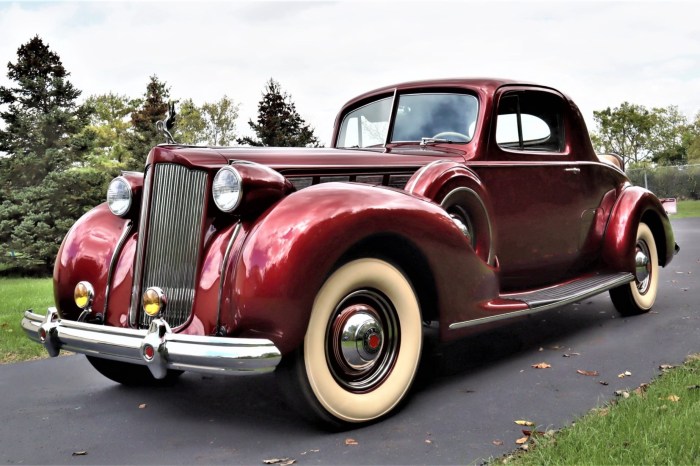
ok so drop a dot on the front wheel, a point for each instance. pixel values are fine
(131, 374)
(638, 296)
(361, 349)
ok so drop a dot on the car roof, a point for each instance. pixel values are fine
(485, 85)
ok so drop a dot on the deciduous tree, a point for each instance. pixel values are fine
(220, 118)
(110, 123)
(625, 130)
(189, 123)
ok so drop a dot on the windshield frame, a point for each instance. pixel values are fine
(396, 98)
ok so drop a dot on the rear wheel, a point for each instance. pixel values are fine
(361, 349)
(131, 374)
(638, 296)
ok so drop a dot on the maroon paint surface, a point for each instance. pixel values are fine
(553, 217)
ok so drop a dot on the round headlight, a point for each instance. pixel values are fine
(226, 190)
(119, 196)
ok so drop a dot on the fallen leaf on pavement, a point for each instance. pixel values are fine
(542, 365)
(79, 453)
(281, 461)
(588, 373)
(530, 433)
(522, 440)
(603, 382)
(568, 355)
(624, 374)
(498, 443)
(665, 367)
(622, 393)
(522, 422)
(351, 441)
(142, 406)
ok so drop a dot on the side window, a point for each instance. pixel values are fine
(530, 121)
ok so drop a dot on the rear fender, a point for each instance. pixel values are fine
(635, 205)
(291, 251)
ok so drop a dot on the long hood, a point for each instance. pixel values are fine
(300, 161)
(315, 161)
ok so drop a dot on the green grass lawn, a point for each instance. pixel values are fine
(16, 296)
(687, 209)
(656, 424)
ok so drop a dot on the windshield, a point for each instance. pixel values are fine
(442, 117)
(367, 126)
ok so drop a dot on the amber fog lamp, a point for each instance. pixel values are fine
(83, 295)
(154, 301)
(226, 189)
(119, 196)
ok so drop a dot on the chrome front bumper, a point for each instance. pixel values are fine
(158, 347)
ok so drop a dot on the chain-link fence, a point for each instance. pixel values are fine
(681, 181)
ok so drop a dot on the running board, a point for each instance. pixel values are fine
(555, 296)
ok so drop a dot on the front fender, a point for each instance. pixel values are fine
(296, 245)
(86, 254)
(635, 205)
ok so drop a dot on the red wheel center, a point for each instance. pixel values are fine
(374, 341)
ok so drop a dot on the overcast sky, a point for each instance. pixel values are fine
(599, 53)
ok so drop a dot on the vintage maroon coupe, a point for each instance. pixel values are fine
(462, 202)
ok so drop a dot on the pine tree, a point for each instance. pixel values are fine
(279, 124)
(44, 140)
(145, 135)
(41, 116)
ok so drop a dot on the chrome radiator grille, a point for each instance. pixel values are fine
(169, 251)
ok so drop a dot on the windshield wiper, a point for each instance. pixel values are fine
(426, 141)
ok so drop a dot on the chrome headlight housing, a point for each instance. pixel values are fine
(119, 196)
(227, 189)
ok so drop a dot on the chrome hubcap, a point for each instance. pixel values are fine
(362, 341)
(642, 263)
(361, 337)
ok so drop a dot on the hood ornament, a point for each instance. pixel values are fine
(164, 126)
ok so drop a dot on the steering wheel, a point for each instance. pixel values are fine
(452, 134)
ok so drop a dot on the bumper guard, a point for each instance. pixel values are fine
(158, 347)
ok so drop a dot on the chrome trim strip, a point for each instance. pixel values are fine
(222, 272)
(173, 351)
(114, 260)
(621, 280)
(390, 129)
(140, 247)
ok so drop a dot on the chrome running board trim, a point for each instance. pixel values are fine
(550, 298)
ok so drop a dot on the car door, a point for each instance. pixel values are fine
(539, 202)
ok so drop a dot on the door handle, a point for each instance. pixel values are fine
(573, 170)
